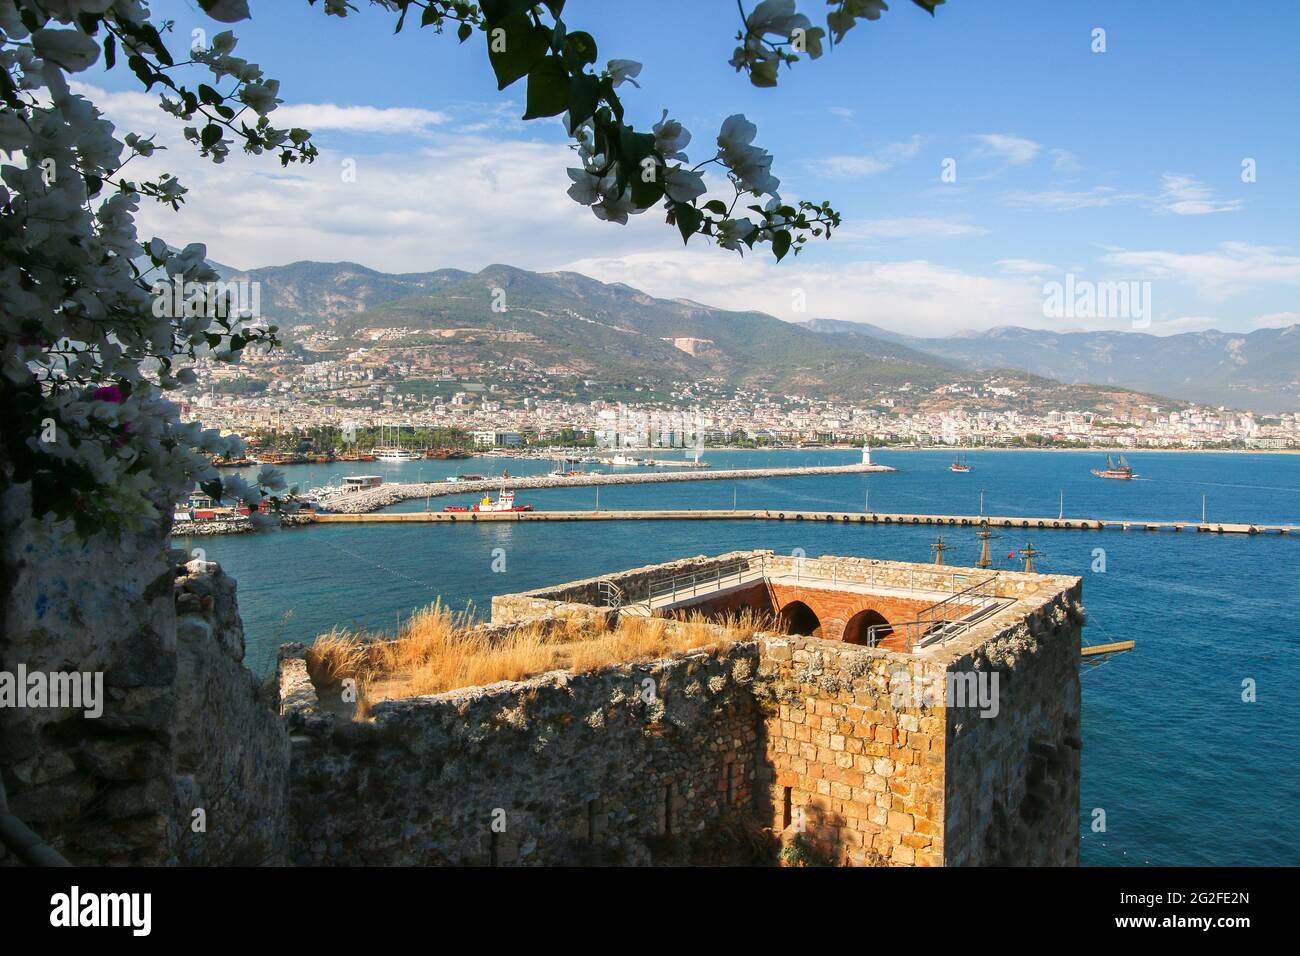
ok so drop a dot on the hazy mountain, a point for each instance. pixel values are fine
(564, 323)
(1259, 370)
(310, 291)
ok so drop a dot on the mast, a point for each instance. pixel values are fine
(1028, 553)
(938, 547)
(986, 559)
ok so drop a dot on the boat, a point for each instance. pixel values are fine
(621, 460)
(959, 466)
(1121, 470)
(506, 502)
(394, 454)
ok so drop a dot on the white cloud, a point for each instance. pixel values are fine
(1024, 266)
(358, 119)
(1063, 161)
(1231, 268)
(846, 165)
(917, 296)
(911, 227)
(1186, 196)
(1276, 320)
(1064, 200)
(1009, 150)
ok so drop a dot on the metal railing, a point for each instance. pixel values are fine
(682, 586)
(933, 624)
(611, 595)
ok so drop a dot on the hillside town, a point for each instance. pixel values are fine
(503, 411)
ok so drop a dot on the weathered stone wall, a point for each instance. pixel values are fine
(853, 768)
(1012, 780)
(572, 768)
(634, 584)
(183, 725)
(231, 757)
(98, 790)
(841, 753)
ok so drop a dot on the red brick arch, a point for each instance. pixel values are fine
(838, 610)
(858, 628)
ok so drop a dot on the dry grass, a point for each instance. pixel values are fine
(439, 650)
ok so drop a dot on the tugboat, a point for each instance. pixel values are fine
(506, 502)
(1120, 470)
(959, 465)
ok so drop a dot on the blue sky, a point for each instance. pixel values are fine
(1123, 165)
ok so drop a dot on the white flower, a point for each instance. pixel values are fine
(261, 96)
(671, 138)
(751, 165)
(620, 70)
(732, 232)
(226, 11)
(616, 208)
(587, 187)
(776, 17)
(271, 479)
(70, 49)
(683, 185)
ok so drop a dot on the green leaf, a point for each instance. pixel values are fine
(584, 94)
(579, 50)
(781, 244)
(110, 50)
(210, 135)
(716, 206)
(494, 11)
(928, 5)
(515, 46)
(548, 89)
(688, 219)
(463, 31)
(633, 147)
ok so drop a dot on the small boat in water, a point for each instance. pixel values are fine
(959, 466)
(1120, 470)
(506, 502)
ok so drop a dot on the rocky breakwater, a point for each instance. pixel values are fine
(190, 529)
(338, 501)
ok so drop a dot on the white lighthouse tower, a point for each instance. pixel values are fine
(866, 453)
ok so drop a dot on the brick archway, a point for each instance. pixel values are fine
(799, 618)
(857, 628)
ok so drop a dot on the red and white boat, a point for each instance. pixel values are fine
(506, 502)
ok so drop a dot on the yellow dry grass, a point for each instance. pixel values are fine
(439, 650)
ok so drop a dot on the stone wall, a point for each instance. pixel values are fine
(853, 765)
(591, 768)
(1012, 781)
(184, 725)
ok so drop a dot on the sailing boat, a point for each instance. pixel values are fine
(1120, 470)
(959, 465)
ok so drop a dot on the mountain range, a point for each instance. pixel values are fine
(565, 323)
(1259, 370)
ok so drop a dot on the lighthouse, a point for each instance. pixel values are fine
(866, 453)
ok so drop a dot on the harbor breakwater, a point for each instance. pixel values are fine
(338, 501)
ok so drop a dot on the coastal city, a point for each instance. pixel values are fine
(501, 410)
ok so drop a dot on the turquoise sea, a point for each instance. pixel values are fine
(1186, 771)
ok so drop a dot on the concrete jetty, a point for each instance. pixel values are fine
(1013, 522)
(336, 500)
